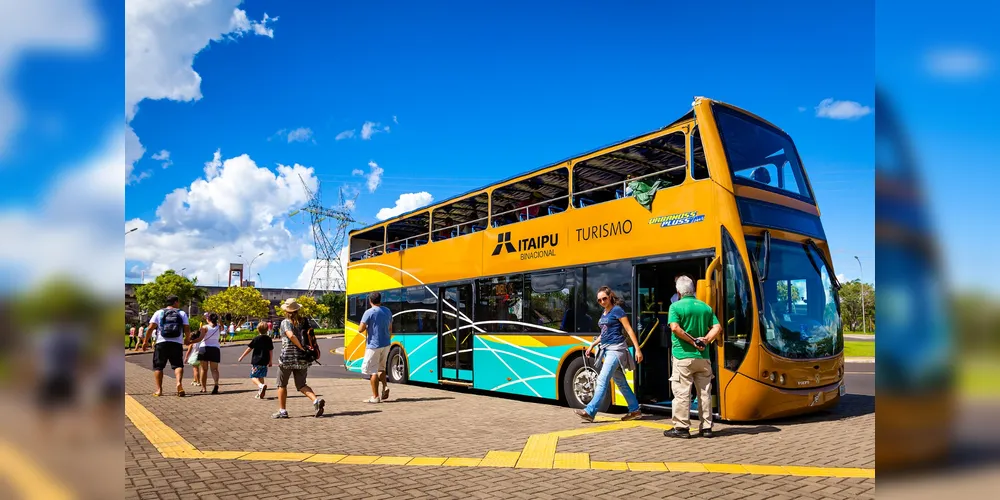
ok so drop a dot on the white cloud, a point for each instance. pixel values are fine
(336, 270)
(357, 171)
(394, 120)
(841, 110)
(164, 157)
(842, 278)
(238, 207)
(374, 178)
(369, 129)
(301, 134)
(957, 63)
(347, 134)
(68, 234)
(162, 39)
(350, 204)
(405, 203)
(133, 152)
(39, 25)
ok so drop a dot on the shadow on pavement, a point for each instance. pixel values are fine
(414, 400)
(751, 431)
(850, 406)
(354, 413)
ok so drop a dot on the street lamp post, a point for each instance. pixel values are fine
(250, 265)
(864, 329)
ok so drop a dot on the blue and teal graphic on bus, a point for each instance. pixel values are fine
(677, 219)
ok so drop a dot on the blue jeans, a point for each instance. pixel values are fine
(611, 368)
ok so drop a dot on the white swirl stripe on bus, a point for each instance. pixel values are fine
(488, 348)
(525, 380)
(522, 358)
(421, 345)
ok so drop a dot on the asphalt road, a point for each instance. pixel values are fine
(860, 377)
(332, 364)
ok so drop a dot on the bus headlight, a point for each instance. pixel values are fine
(772, 377)
(781, 379)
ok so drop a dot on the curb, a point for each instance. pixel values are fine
(859, 360)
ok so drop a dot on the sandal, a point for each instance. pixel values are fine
(385, 394)
(180, 394)
(156, 394)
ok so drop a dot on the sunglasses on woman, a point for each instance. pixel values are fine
(600, 300)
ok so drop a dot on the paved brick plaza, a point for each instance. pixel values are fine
(456, 444)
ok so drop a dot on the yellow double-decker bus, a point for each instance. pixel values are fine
(495, 289)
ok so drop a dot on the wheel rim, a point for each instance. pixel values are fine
(398, 367)
(584, 382)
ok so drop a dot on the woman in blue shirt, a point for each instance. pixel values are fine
(616, 356)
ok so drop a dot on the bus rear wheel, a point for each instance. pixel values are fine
(579, 384)
(398, 372)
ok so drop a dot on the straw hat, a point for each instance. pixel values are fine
(290, 305)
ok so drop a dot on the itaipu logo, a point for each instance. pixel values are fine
(529, 248)
(677, 219)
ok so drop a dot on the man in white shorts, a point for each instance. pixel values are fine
(377, 324)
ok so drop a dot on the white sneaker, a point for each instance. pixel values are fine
(372, 400)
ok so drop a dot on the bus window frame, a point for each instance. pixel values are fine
(810, 199)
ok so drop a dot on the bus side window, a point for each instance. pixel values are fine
(699, 166)
(737, 314)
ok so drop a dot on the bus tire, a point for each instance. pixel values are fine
(397, 371)
(579, 380)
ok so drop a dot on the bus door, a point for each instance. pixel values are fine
(455, 333)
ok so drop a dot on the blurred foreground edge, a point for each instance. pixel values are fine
(915, 370)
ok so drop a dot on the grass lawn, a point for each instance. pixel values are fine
(859, 348)
(871, 333)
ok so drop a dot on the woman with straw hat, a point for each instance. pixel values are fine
(295, 358)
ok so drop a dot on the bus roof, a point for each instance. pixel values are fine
(686, 117)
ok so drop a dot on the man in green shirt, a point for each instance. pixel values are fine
(694, 326)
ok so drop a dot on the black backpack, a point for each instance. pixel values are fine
(171, 325)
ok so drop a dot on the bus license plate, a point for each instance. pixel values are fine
(843, 388)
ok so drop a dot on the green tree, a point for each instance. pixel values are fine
(311, 308)
(335, 304)
(783, 287)
(151, 296)
(242, 302)
(850, 306)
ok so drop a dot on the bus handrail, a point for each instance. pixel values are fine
(526, 207)
(626, 181)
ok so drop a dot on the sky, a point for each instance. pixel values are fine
(231, 107)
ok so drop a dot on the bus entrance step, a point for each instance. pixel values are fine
(455, 382)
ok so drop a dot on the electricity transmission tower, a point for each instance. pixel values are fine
(328, 273)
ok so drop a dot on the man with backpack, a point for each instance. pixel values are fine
(172, 325)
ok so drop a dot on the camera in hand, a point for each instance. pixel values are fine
(699, 343)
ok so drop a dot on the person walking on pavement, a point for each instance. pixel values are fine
(197, 366)
(295, 359)
(376, 323)
(261, 346)
(232, 331)
(131, 338)
(616, 357)
(689, 317)
(210, 352)
(172, 325)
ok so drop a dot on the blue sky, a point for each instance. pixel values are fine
(480, 94)
(470, 94)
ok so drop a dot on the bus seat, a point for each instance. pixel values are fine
(478, 228)
(420, 242)
(454, 233)
(618, 194)
(584, 202)
(521, 217)
(495, 223)
(554, 209)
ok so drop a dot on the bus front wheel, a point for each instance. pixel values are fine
(398, 372)
(579, 383)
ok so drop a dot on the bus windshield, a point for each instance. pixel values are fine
(800, 307)
(760, 155)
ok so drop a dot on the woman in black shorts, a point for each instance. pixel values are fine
(210, 352)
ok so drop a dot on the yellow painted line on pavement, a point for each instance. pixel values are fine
(500, 459)
(27, 477)
(539, 453)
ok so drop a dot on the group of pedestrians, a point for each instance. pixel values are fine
(693, 326)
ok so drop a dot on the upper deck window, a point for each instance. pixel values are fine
(408, 233)
(462, 217)
(760, 155)
(538, 196)
(367, 244)
(606, 177)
